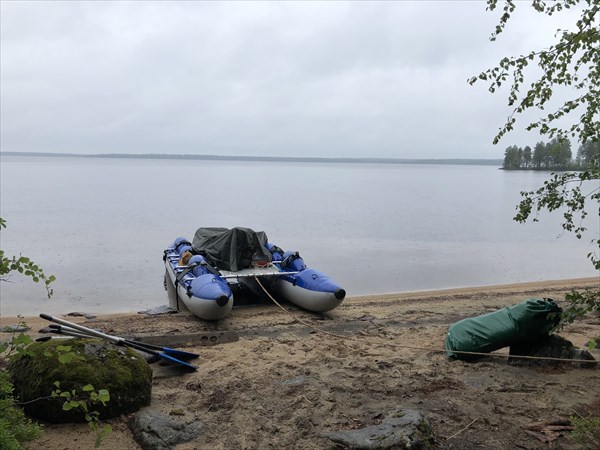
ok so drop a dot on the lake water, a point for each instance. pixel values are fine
(101, 225)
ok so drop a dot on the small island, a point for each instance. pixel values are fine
(554, 155)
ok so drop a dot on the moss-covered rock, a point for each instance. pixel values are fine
(123, 372)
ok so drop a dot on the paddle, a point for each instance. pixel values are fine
(47, 338)
(71, 332)
(180, 354)
(118, 341)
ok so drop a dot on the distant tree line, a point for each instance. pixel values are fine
(553, 155)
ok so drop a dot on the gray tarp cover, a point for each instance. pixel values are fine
(231, 249)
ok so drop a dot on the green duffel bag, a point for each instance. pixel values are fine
(528, 321)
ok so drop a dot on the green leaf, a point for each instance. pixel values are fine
(22, 339)
(103, 396)
(65, 358)
(106, 430)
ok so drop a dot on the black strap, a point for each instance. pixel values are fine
(289, 258)
(185, 271)
(275, 249)
(191, 266)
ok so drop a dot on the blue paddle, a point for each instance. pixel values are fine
(120, 341)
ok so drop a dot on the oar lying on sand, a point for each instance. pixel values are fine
(69, 331)
(165, 353)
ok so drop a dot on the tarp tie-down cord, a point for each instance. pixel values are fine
(426, 349)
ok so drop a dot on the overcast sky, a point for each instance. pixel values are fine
(330, 79)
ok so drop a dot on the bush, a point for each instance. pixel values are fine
(15, 428)
(587, 431)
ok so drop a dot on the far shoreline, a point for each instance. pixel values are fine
(262, 158)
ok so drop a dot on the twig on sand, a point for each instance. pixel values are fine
(461, 430)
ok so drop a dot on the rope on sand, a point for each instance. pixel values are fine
(427, 349)
(303, 322)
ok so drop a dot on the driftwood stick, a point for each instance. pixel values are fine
(461, 430)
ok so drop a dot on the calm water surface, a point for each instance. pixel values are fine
(101, 225)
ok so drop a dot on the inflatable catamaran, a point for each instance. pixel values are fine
(220, 263)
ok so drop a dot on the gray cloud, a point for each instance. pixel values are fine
(385, 79)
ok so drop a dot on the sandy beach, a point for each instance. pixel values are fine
(277, 379)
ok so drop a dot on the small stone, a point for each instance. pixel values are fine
(14, 328)
(163, 309)
(552, 347)
(401, 429)
(154, 430)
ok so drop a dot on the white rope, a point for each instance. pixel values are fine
(428, 349)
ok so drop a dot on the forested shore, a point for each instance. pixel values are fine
(553, 155)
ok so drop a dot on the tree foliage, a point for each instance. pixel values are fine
(588, 153)
(573, 61)
(24, 265)
(567, 193)
(555, 154)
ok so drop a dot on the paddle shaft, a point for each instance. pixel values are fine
(108, 337)
(171, 351)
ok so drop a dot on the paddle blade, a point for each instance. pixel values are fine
(180, 354)
(184, 364)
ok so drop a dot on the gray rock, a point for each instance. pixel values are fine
(163, 309)
(401, 429)
(148, 357)
(367, 317)
(82, 314)
(154, 430)
(14, 329)
(552, 347)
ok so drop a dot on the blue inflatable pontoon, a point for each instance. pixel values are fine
(220, 262)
